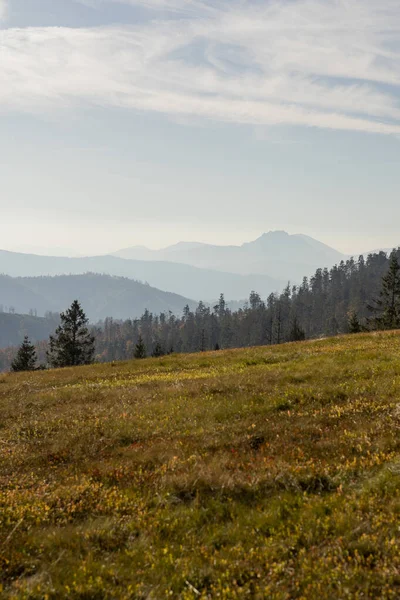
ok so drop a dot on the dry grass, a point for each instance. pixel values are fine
(259, 473)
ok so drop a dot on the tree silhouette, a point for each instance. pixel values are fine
(158, 351)
(25, 359)
(354, 323)
(140, 349)
(386, 308)
(72, 344)
(297, 334)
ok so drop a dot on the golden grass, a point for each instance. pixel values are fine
(257, 473)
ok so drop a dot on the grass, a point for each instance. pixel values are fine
(257, 473)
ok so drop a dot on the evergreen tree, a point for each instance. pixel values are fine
(221, 305)
(157, 352)
(354, 325)
(386, 308)
(203, 341)
(25, 359)
(322, 304)
(140, 349)
(297, 334)
(72, 344)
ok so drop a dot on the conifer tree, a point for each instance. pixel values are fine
(297, 334)
(158, 351)
(386, 309)
(203, 341)
(354, 324)
(140, 349)
(25, 359)
(72, 344)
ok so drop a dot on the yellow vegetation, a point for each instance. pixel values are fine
(257, 473)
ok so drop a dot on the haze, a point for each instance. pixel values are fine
(153, 121)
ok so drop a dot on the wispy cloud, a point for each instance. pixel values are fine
(3, 9)
(181, 6)
(309, 62)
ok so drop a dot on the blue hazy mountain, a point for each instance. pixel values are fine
(182, 279)
(275, 254)
(101, 296)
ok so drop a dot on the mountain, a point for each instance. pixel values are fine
(276, 254)
(13, 328)
(387, 251)
(182, 279)
(101, 296)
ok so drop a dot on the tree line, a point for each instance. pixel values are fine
(348, 298)
(351, 297)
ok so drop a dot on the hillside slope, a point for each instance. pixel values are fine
(263, 473)
(182, 279)
(101, 295)
(14, 327)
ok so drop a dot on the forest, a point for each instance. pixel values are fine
(323, 305)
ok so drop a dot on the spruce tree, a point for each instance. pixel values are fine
(203, 341)
(140, 349)
(72, 344)
(25, 359)
(157, 351)
(386, 309)
(297, 334)
(354, 325)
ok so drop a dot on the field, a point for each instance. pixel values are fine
(256, 473)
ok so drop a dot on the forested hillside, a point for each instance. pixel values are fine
(320, 306)
(102, 295)
(13, 328)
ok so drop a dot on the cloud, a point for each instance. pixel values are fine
(3, 9)
(331, 65)
(194, 7)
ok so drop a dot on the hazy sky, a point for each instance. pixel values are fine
(127, 122)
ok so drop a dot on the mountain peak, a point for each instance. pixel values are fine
(270, 237)
(275, 233)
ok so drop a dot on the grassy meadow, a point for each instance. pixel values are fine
(257, 473)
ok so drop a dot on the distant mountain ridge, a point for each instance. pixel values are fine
(182, 279)
(101, 296)
(275, 254)
(13, 328)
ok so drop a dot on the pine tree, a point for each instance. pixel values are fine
(25, 359)
(297, 334)
(157, 352)
(386, 308)
(221, 305)
(140, 349)
(72, 344)
(203, 341)
(354, 325)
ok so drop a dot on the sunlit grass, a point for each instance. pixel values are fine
(263, 473)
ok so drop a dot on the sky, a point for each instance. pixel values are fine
(147, 122)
